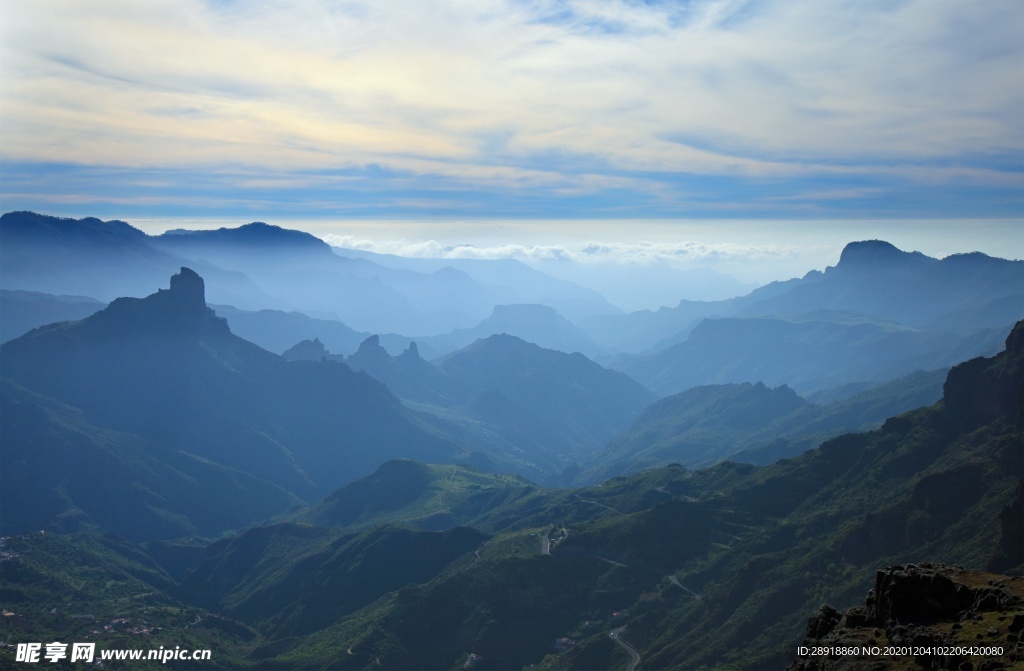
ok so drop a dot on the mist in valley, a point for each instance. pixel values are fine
(554, 336)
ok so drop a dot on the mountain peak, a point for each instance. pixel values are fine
(181, 308)
(256, 236)
(370, 356)
(310, 350)
(412, 351)
(370, 345)
(188, 288)
(874, 253)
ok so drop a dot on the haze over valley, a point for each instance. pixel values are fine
(512, 336)
(562, 430)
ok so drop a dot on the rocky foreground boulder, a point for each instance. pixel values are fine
(924, 616)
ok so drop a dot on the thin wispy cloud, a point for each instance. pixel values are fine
(553, 102)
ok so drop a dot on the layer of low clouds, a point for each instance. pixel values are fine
(605, 108)
(680, 254)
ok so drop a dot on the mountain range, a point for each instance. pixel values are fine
(549, 408)
(432, 567)
(876, 315)
(263, 267)
(165, 372)
(357, 497)
(750, 423)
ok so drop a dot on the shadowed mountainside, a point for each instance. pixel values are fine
(22, 311)
(167, 370)
(694, 569)
(590, 403)
(809, 353)
(755, 549)
(751, 423)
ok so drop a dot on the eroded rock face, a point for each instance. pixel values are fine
(915, 609)
(188, 289)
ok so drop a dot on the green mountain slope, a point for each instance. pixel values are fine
(104, 590)
(288, 580)
(724, 569)
(427, 496)
(929, 486)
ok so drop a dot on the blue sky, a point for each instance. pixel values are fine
(516, 110)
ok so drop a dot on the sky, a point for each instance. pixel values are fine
(526, 125)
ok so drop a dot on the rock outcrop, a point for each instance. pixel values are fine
(916, 614)
(179, 309)
(310, 350)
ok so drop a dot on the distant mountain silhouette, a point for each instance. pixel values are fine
(408, 375)
(310, 350)
(259, 266)
(872, 277)
(508, 281)
(535, 444)
(590, 403)
(255, 237)
(101, 259)
(750, 423)
(304, 271)
(538, 324)
(699, 426)
(876, 278)
(299, 269)
(809, 352)
(22, 311)
(165, 368)
(506, 392)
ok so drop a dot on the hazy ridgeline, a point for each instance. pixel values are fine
(335, 460)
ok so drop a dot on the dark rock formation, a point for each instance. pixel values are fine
(1009, 554)
(370, 356)
(916, 608)
(412, 352)
(180, 309)
(982, 390)
(871, 254)
(310, 350)
(188, 289)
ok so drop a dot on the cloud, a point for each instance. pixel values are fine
(563, 99)
(593, 253)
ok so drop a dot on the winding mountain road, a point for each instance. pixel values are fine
(597, 503)
(675, 581)
(616, 635)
